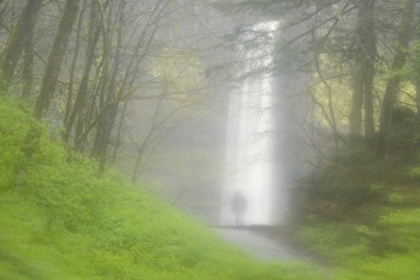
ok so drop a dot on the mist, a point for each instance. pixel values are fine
(209, 139)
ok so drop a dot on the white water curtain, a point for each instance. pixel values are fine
(249, 164)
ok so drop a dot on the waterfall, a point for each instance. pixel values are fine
(249, 149)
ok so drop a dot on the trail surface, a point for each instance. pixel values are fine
(262, 247)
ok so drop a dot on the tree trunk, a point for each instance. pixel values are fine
(392, 88)
(370, 49)
(106, 122)
(363, 78)
(417, 68)
(73, 66)
(93, 37)
(28, 66)
(53, 67)
(21, 31)
(142, 148)
(418, 92)
(355, 120)
(118, 141)
(369, 109)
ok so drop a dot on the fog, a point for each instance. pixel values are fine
(177, 137)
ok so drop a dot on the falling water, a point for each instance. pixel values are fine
(249, 162)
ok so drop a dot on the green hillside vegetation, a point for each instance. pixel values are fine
(362, 213)
(60, 220)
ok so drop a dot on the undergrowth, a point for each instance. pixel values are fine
(363, 213)
(59, 220)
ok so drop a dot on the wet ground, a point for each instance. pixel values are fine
(258, 244)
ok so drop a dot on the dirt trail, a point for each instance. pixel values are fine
(261, 246)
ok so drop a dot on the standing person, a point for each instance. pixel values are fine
(239, 205)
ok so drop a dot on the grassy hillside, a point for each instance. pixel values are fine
(58, 220)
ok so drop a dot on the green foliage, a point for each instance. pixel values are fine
(388, 251)
(342, 178)
(58, 220)
(348, 178)
(13, 127)
(414, 172)
(377, 238)
(404, 134)
(396, 198)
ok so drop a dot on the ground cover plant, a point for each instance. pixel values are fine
(60, 220)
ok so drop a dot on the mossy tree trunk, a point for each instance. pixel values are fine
(55, 59)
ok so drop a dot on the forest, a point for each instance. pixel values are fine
(126, 127)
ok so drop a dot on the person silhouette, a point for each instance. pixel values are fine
(239, 206)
